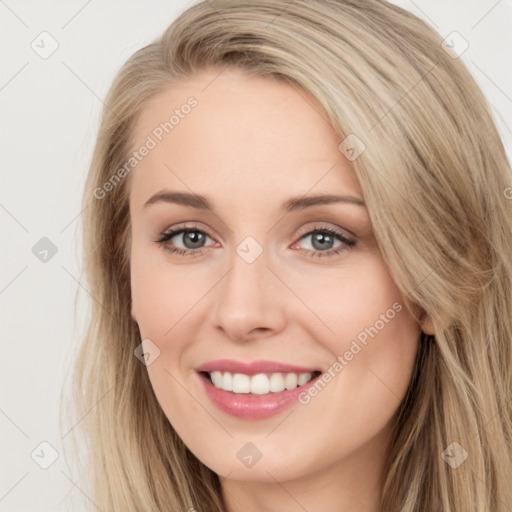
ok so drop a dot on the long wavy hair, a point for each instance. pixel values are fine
(438, 187)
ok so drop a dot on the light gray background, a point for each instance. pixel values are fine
(50, 113)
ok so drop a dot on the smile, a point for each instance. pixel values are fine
(259, 384)
(255, 390)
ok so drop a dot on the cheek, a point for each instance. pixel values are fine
(162, 296)
(372, 339)
(357, 301)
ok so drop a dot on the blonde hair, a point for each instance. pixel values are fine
(435, 179)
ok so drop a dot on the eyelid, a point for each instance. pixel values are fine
(180, 228)
(188, 225)
(323, 226)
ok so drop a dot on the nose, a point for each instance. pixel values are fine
(250, 301)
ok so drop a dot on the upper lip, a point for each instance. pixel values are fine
(252, 368)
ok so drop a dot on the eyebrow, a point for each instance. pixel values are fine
(293, 204)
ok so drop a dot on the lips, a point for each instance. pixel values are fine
(254, 367)
(260, 403)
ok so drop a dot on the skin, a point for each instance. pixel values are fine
(250, 144)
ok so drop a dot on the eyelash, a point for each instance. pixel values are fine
(347, 243)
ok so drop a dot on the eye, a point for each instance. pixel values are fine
(322, 242)
(192, 239)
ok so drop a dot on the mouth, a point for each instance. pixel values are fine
(258, 396)
(260, 383)
(254, 390)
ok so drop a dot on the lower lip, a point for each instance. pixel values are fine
(253, 407)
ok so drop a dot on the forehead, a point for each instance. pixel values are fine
(229, 131)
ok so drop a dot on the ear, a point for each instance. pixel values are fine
(425, 321)
(427, 325)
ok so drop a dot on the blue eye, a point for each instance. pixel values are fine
(193, 239)
(323, 237)
(192, 236)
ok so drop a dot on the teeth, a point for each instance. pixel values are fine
(276, 383)
(227, 382)
(260, 384)
(241, 383)
(290, 381)
(216, 379)
(303, 378)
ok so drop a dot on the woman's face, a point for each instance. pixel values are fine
(269, 287)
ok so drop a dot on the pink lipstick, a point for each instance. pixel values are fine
(260, 386)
